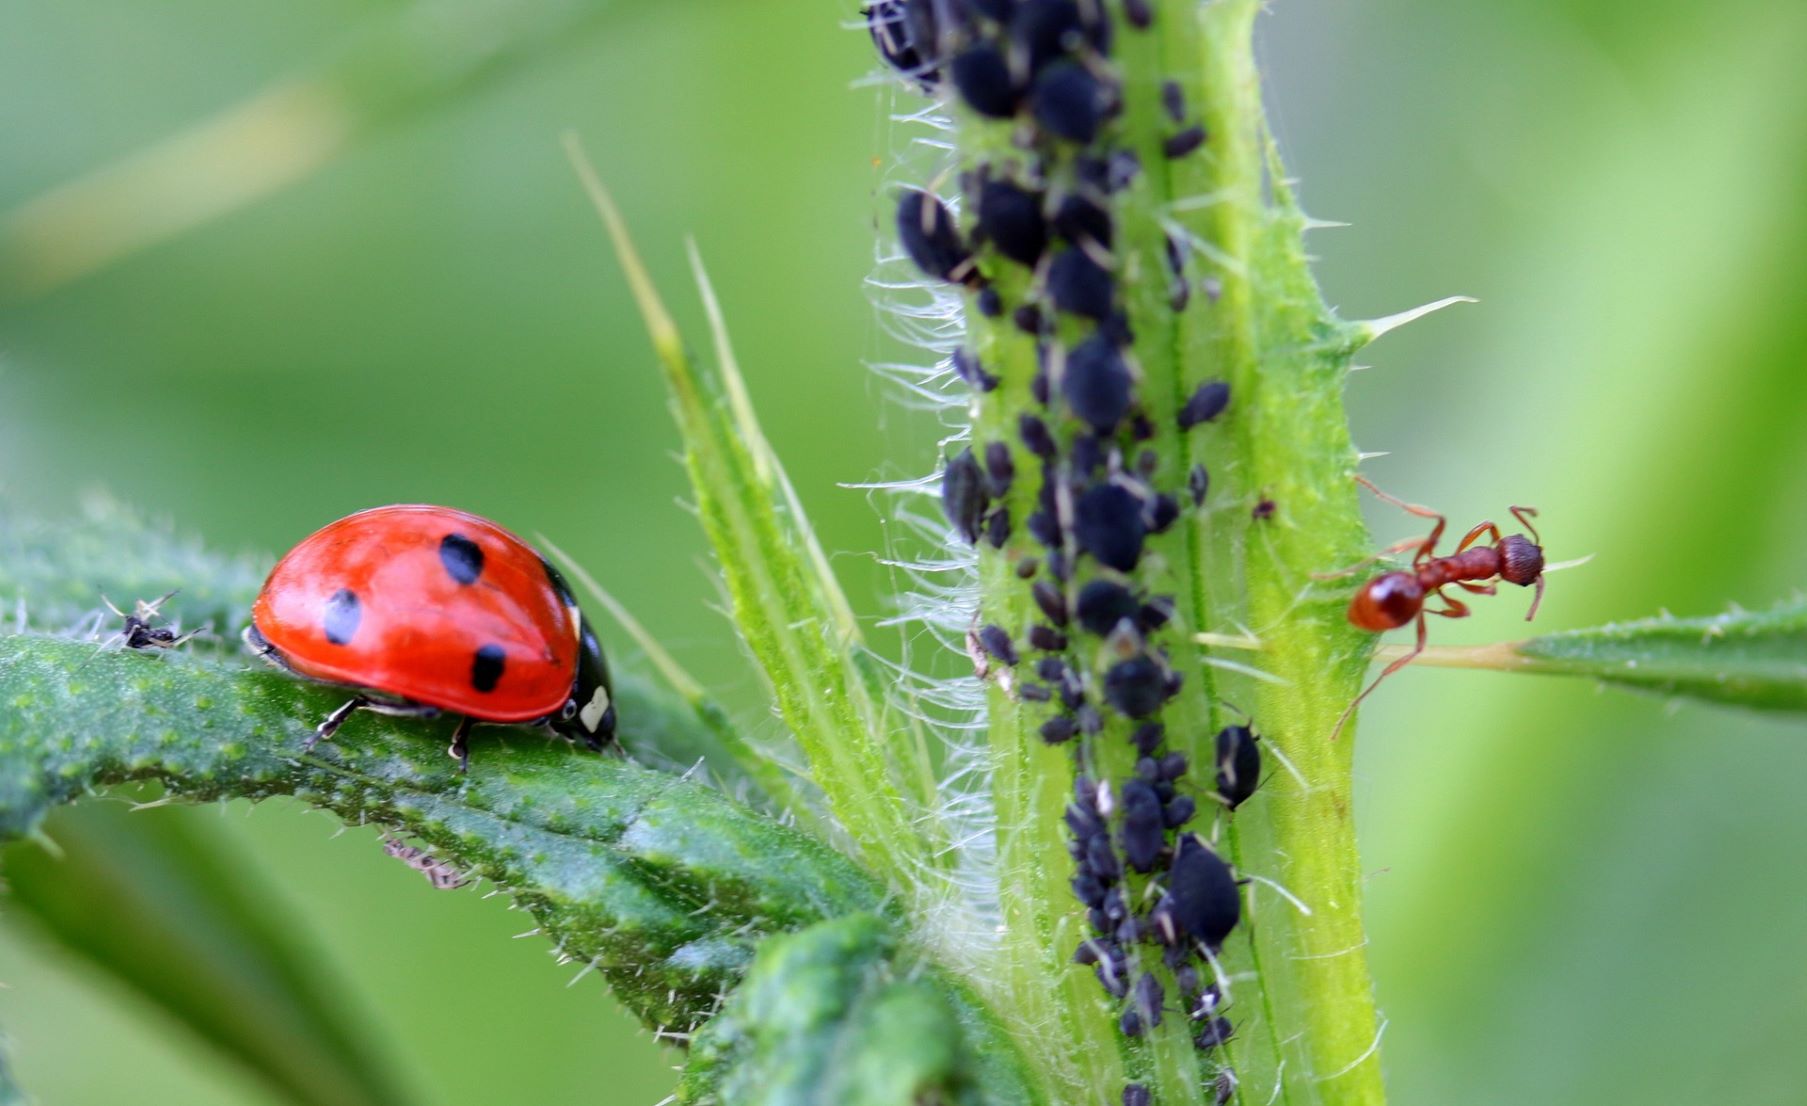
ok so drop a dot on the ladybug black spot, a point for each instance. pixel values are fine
(343, 613)
(486, 667)
(462, 559)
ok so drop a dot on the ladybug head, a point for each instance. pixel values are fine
(589, 715)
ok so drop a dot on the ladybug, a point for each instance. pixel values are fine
(428, 609)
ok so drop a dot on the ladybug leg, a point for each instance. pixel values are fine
(326, 729)
(461, 749)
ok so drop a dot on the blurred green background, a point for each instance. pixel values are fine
(1575, 897)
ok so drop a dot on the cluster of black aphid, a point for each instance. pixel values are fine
(1150, 887)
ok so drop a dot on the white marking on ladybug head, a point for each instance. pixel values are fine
(593, 711)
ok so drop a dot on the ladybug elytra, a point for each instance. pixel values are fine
(427, 609)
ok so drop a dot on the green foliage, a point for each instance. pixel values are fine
(663, 885)
(837, 1014)
(1742, 658)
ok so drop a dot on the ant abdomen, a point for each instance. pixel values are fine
(1387, 602)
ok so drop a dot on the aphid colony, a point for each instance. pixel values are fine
(1083, 473)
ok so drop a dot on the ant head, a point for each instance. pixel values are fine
(1387, 602)
(1521, 562)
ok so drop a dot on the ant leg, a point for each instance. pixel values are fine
(1478, 589)
(460, 749)
(1453, 608)
(1524, 515)
(1384, 673)
(1429, 545)
(1487, 528)
(1396, 547)
(330, 726)
(1536, 599)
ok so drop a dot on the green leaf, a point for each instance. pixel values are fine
(1741, 658)
(663, 885)
(207, 942)
(834, 1014)
(784, 599)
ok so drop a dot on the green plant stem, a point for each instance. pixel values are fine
(1286, 359)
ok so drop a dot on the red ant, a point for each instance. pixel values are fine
(1393, 599)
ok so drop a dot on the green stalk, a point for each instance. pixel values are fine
(1307, 1028)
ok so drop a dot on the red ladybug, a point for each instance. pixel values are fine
(424, 609)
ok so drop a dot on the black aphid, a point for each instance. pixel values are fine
(1028, 319)
(1047, 639)
(885, 22)
(1100, 860)
(1163, 509)
(1135, 1094)
(1108, 524)
(998, 10)
(1217, 1031)
(1180, 292)
(963, 495)
(1148, 737)
(1206, 403)
(1012, 219)
(1058, 729)
(1264, 510)
(1079, 285)
(1080, 221)
(1202, 902)
(1139, 13)
(1130, 1024)
(1058, 566)
(982, 76)
(1090, 722)
(1033, 692)
(1000, 468)
(923, 27)
(1144, 831)
(1087, 888)
(1150, 996)
(1043, 528)
(1179, 811)
(1155, 613)
(998, 644)
(1198, 482)
(1097, 384)
(1183, 143)
(1135, 687)
(1052, 602)
(997, 528)
(1102, 604)
(966, 366)
(1224, 1089)
(1087, 454)
(1173, 98)
(1038, 386)
(1068, 101)
(1087, 953)
(1238, 765)
(1036, 438)
(1043, 30)
(1122, 170)
(990, 303)
(926, 229)
(1027, 567)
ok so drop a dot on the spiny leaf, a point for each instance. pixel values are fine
(207, 942)
(787, 606)
(662, 885)
(1742, 658)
